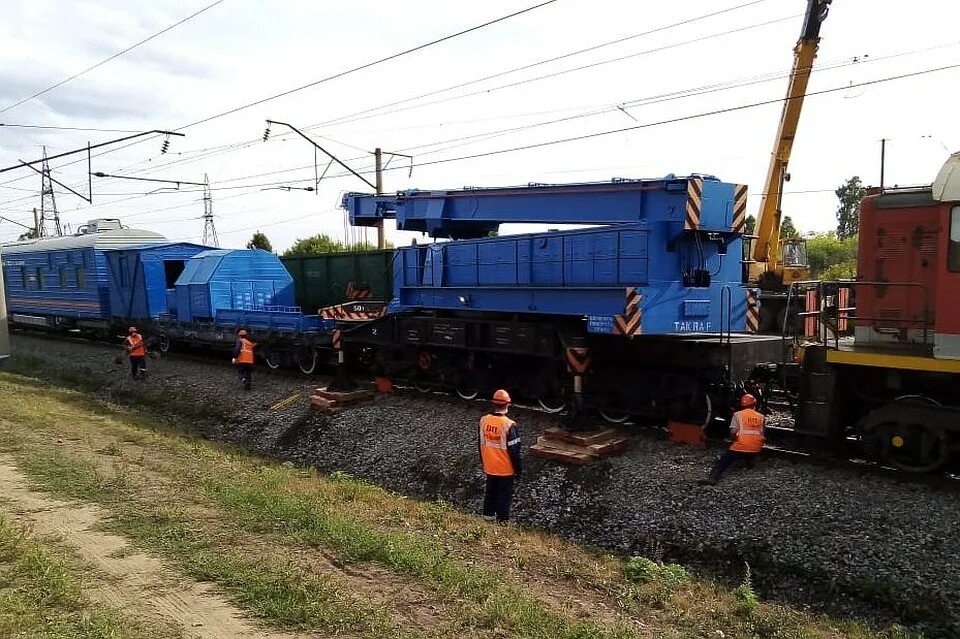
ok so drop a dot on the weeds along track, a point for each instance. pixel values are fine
(836, 538)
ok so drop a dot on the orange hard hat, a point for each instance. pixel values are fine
(241, 333)
(747, 400)
(501, 397)
(132, 329)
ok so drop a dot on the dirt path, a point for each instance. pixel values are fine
(128, 579)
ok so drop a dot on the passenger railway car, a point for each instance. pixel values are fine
(64, 282)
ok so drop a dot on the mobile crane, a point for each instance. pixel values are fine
(773, 263)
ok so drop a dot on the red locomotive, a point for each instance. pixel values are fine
(896, 380)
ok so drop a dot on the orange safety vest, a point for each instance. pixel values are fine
(246, 351)
(748, 437)
(135, 345)
(494, 430)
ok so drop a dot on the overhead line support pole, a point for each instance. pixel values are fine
(378, 163)
(4, 330)
(328, 154)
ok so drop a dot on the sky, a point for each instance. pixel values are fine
(241, 51)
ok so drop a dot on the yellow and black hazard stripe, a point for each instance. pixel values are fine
(739, 221)
(753, 311)
(694, 203)
(336, 340)
(361, 292)
(630, 323)
(350, 312)
(578, 359)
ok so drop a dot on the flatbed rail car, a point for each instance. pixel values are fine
(883, 375)
(643, 315)
(200, 296)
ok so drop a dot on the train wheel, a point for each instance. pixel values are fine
(307, 362)
(906, 442)
(273, 359)
(912, 448)
(552, 404)
(163, 343)
(467, 392)
(613, 416)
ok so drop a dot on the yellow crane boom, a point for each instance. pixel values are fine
(766, 248)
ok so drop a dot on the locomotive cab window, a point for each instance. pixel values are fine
(953, 248)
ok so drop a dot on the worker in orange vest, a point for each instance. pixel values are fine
(746, 427)
(500, 455)
(137, 350)
(243, 359)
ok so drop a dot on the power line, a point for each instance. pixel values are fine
(541, 62)
(113, 57)
(330, 77)
(230, 147)
(574, 69)
(367, 65)
(66, 128)
(685, 118)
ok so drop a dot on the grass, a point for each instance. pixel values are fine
(482, 579)
(276, 591)
(40, 596)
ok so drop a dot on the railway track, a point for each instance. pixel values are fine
(779, 437)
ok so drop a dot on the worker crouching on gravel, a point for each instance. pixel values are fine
(500, 455)
(137, 351)
(243, 359)
(746, 426)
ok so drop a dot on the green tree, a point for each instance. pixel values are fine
(848, 210)
(322, 244)
(787, 230)
(831, 257)
(260, 241)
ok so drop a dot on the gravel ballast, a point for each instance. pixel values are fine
(838, 540)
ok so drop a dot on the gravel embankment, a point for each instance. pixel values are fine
(840, 541)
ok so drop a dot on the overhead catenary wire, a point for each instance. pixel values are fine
(557, 58)
(328, 78)
(112, 57)
(610, 132)
(372, 63)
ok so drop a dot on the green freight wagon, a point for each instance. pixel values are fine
(335, 278)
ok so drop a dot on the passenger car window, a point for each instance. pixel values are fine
(80, 281)
(953, 247)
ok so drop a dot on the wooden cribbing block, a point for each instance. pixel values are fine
(611, 447)
(345, 396)
(554, 444)
(556, 454)
(587, 438)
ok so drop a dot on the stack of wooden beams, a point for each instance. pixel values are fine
(326, 401)
(580, 447)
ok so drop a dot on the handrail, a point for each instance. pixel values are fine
(825, 287)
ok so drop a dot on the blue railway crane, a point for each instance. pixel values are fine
(652, 280)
